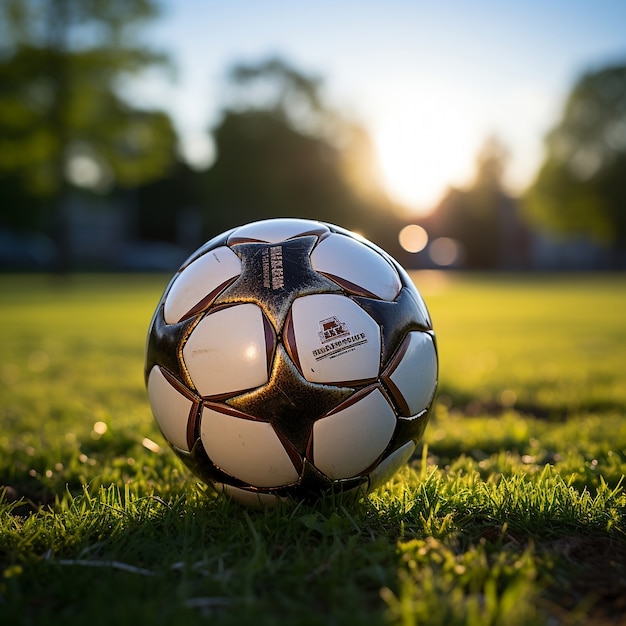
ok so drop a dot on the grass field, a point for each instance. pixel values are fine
(512, 513)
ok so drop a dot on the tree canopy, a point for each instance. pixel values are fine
(281, 151)
(580, 186)
(62, 119)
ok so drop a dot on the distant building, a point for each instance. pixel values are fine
(485, 229)
(104, 233)
(489, 232)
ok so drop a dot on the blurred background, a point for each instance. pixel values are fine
(483, 135)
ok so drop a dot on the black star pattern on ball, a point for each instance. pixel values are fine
(273, 275)
(395, 319)
(289, 402)
(313, 482)
(165, 343)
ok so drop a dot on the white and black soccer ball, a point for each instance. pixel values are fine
(289, 357)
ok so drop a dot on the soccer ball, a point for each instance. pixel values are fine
(290, 357)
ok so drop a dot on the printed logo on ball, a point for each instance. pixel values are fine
(336, 339)
(273, 273)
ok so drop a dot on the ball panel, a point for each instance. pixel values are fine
(163, 345)
(410, 428)
(227, 351)
(276, 230)
(420, 305)
(214, 242)
(390, 465)
(348, 441)
(417, 296)
(334, 339)
(170, 407)
(246, 449)
(412, 374)
(249, 498)
(200, 282)
(356, 267)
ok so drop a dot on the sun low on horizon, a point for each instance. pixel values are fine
(426, 140)
(429, 81)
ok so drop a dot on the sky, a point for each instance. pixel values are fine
(429, 80)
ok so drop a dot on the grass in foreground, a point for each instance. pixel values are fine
(513, 514)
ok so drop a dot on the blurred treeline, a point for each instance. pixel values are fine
(89, 181)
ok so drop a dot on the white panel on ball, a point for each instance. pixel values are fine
(412, 377)
(345, 259)
(389, 466)
(348, 441)
(249, 498)
(170, 408)
(227, 351)
(199, 279)
(246, 449)
(276, 230)
(336, 340)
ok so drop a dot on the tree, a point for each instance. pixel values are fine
(62, 119)
(483, 218)
(480, 230)
(165, 205)
(580, 186)
(282, 152)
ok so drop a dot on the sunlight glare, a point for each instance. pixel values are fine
(413, 238)
(445, 251)
(426, 140)
(251, 352)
